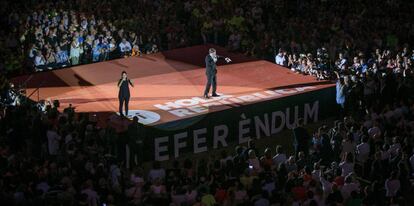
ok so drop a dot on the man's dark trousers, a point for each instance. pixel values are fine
(211, 82)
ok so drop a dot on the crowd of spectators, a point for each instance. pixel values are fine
(63, 158)
(366, 157)
(50, 34)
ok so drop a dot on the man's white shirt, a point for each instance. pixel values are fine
(280, 59)
(125, 46)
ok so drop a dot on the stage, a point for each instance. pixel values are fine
(169, 87)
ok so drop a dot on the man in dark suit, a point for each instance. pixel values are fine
(211, 71)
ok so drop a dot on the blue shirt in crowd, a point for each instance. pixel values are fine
(340, 93)
(62, 57)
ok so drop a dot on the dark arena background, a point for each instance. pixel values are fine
(314, 103)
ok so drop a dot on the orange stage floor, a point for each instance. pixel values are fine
(168, 88)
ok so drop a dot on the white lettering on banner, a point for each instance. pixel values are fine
(220, 135)
(197, 140)
(263, 96)
(249, 98)
(301, 89)
(161, 149)
(192, 106)
(265, 124)
(212, 104)
(309, 112)
(279, 128)
(202, 100)
(198, 109)
(178, 144)
(291, 125)
(186, 102)
(273, 93)
(168, 106)
(236, 100)
(262, 126)
(181, 112)
(286, 91)
(244, 130)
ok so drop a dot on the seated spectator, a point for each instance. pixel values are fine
(39, 61)
(125, 48)
(62, 58)
(74, 51)
(50, 59)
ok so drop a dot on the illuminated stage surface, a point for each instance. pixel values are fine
(169, 85)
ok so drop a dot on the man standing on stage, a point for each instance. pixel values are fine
(211, 71)
(123, 94)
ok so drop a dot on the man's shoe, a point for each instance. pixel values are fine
(206, 96)
(215, 95)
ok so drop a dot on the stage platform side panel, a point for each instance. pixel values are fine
(237, 125)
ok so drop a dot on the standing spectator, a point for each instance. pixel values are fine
(340, 92)
(87, 51)
(92, 196)
(392, 185)
(50, 59)
(96, 51)
(280, 58)
(279, 157)
(363, 150)
(135, 142)
(53, 141)
(74, 52)
(301, 138)
(347, 165)
(39, 61)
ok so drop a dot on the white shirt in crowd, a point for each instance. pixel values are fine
(156, 173)
(92, 196)
(53, 142)
(326, 185)
(347, 168)
(125, 47)
(39, 60)
(75, 49)
(392, 187)
(279, 158)
(280, 59)
(115, 175)
(363, 150)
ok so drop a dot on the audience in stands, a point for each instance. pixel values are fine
(366, 157)
(257, 28)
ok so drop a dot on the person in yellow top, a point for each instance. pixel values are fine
(135, 51)
(207, 199)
